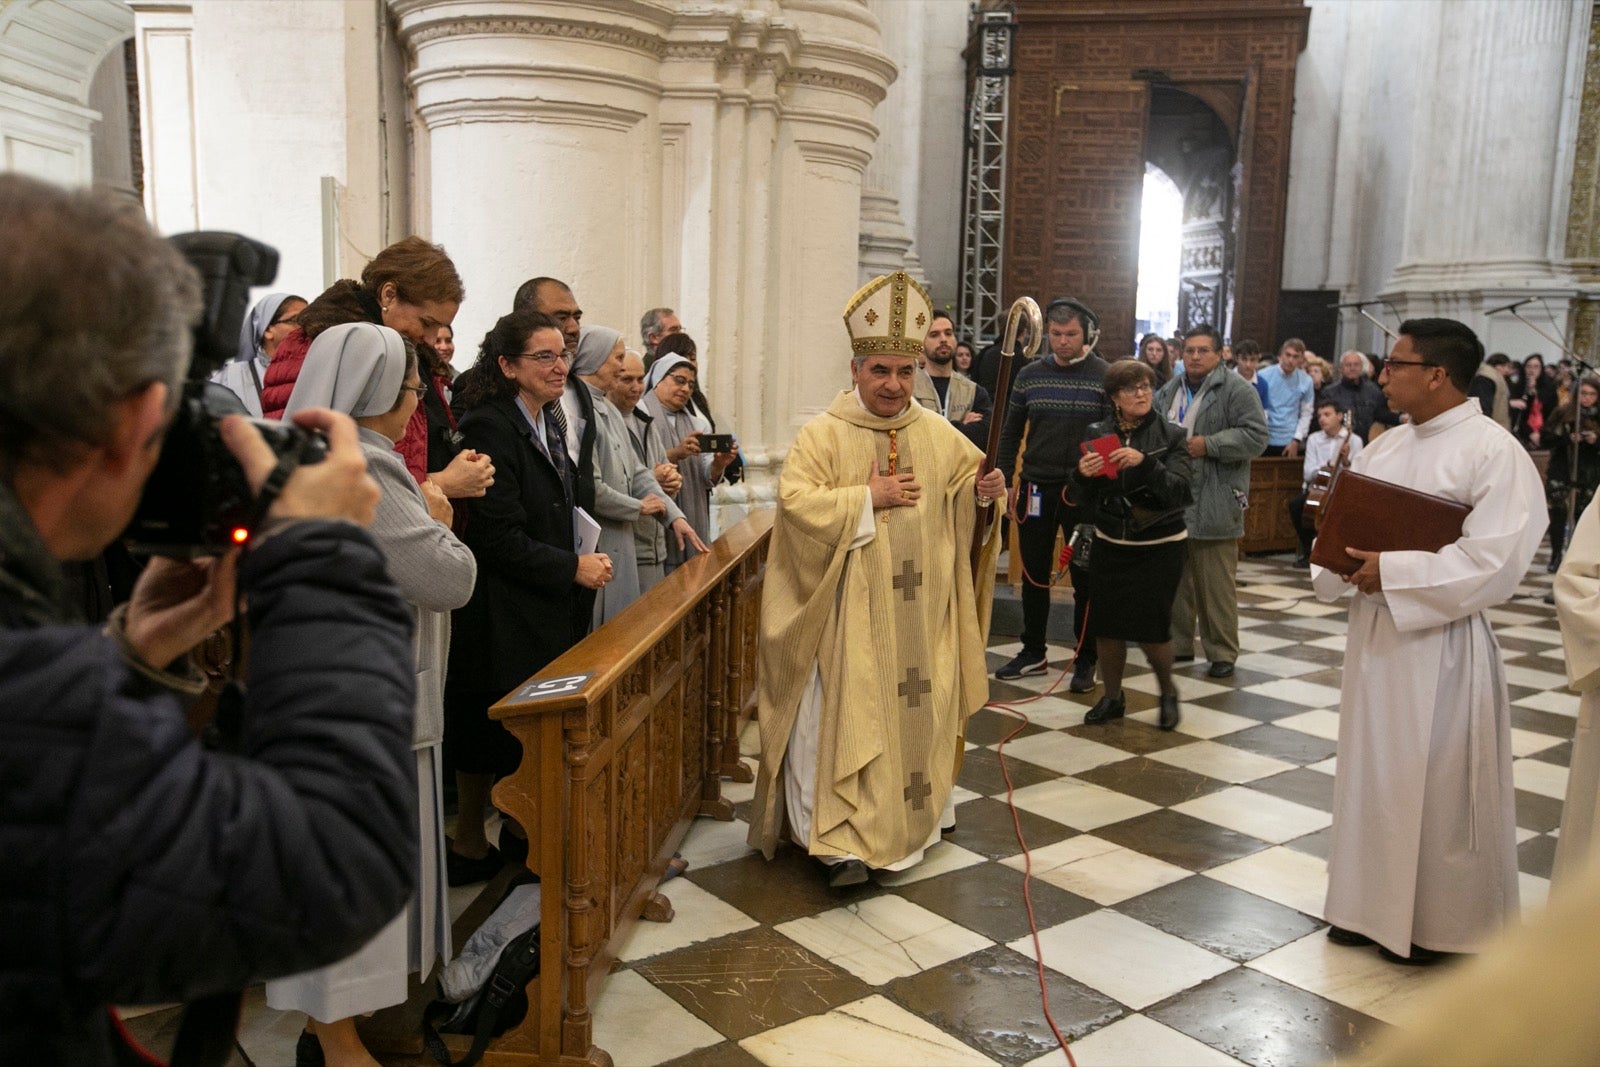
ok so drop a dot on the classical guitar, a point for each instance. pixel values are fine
(1322, 481)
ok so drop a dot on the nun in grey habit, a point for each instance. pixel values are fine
(623, 481)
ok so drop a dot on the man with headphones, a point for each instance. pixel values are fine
(1054, 400)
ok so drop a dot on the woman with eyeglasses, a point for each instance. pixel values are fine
(370, 373)
(529, 606)
(1135, 473)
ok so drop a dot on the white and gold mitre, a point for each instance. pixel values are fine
(889, 314)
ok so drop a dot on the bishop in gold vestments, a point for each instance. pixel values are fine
(872, 627)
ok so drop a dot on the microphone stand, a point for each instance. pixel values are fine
(1575, 438)
(1361, 307)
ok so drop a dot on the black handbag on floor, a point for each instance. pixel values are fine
(501, 1004)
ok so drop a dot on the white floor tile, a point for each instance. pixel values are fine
(1222, 761)
(1250, 641)
(1327, 766)
(697, 916)
(1312, 609)
(865, 1033)
(1527, 742)
(1536, 776)
(1334, 641)
(1552, 700)
(1279, 665)
(1319, 723)
(1064, 753)
(1199, 721)
(710, 842)
(883, 938)
(1294, 879)
(1079, 804)
(1099, 870)
(1188, 687)
(960, 794)
(1319, 624)
(1137, 1041)
(1295, 691)
(1535, 893)
(1529, 678)
(1051, 712)
(1257, 814)
(942, 858)
(1533, 633)
(1277, 592)
(640, 1025)
(1123, 958)
(1358, 978)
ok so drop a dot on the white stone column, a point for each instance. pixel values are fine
(543, 150)
(1485, 196)
(886, 238)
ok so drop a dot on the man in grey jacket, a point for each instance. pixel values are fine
(1222, 415)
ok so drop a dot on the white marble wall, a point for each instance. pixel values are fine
(1432, 159)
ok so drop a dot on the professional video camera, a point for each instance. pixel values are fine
(197, 502)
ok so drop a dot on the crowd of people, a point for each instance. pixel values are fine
(464, 530)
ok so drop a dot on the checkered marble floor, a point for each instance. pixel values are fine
(1178, 881)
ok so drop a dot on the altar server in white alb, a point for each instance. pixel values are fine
(1577, 591)
(1423, 857)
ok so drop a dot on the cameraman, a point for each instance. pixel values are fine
(136, 866)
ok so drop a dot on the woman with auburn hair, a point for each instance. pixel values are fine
(1153, 351)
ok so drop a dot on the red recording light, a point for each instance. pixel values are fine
(240, 535)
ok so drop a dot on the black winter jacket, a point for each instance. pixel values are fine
(1143, 503)
(138, 867)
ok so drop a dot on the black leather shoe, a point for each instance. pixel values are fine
(308, 1051)
(1340, 936)
(1220, 670)
(1420, 957)
(848, 873)
(462, 870)
(1183, 659)
(1169, 711)
(1106, 709)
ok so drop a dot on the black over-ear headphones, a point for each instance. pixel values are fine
(1091, 321)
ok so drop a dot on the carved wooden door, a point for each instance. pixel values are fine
(1076, 181)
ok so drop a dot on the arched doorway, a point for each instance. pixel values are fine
(1089, 81)
(1189, 142)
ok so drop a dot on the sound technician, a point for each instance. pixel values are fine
(137, 866)
(1054, 401)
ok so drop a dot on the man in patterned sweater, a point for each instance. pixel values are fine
(1054, 401)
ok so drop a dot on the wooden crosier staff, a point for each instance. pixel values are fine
(1023, 307)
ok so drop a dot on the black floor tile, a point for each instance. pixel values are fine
(1219, 918)
(986, 827)
(1267, 1023)
(980, 772)
(990, 1000)
(1153, 781)
(1291, 746)
(1181, 839)
(791, 885)
(1302, 786)
(988, 899)
(1537, 812)
(1537, 855)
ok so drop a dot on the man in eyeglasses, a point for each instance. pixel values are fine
(1423, 859)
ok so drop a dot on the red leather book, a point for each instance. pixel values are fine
(1105, 446)
(1377, 516)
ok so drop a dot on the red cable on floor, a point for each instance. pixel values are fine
(1027, 856)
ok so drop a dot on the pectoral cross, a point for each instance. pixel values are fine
(894, 453)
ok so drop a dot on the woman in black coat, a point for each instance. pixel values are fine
(535, 593)
(1137, 493)
(1533, 402)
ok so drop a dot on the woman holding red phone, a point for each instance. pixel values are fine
(1135, 474)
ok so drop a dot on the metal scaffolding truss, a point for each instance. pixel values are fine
(983, 202)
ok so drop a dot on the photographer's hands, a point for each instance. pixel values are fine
(337, 488)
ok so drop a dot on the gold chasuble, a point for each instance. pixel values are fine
(894, 628)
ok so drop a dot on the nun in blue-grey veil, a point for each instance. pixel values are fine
(270, 321)
(370, 372)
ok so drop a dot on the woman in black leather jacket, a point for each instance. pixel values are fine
(1138, 493)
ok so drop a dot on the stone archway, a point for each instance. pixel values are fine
(52, 52)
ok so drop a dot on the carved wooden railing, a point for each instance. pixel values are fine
(625, 739)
